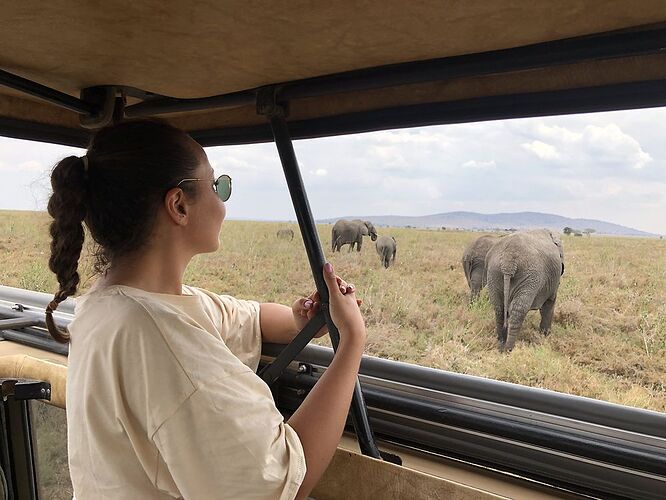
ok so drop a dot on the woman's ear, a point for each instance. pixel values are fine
(176, 206)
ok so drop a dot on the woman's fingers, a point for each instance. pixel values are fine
(344, 287)
(312, 311)
(330, 278)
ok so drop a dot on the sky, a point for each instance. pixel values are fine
(607, 166)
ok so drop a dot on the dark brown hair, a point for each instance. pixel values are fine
(115, 189)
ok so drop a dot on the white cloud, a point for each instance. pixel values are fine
(25, 166)
(321, 172)
(479, 164)
(399, 188)
(412, 137)
(389, 155)
(612, 144)
(594, 145)
(31, 165)
(542, 150)
(557, 133)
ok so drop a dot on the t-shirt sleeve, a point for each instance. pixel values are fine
(241, 329)
(240, 446)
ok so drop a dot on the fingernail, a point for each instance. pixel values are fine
(328, 267)
(343, 289)
(307, 304)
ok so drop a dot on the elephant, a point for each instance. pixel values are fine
(474, 263)
(285, 234)
(386, 248)
(366, 229)
(351, 232)
(523, 273)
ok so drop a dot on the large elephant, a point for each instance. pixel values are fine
(386, 248)
(523, 272)
(351, 232)
(474, 263)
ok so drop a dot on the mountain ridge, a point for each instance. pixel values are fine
(498, 221)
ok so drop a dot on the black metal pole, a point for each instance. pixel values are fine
(315, 254)
(161, 105)
(48, 94)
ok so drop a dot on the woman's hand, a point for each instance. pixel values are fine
(304, 309)
(327, 404)
(344, 308)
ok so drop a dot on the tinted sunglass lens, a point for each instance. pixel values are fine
(223, 187)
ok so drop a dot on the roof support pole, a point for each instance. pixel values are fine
(267, 106)
(46, 93)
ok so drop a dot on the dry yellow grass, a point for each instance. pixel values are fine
(609, 333)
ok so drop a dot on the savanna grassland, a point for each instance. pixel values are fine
(608, 339)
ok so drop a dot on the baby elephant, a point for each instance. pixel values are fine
(386, 248)
(474, 263)
(285, 234)
(523, 272)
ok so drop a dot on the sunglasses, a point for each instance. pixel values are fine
(221, 185)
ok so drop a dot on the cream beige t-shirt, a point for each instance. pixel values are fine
(163, 401)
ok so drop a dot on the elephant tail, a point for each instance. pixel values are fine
(507, 287)
(386, 256)
(467, 267)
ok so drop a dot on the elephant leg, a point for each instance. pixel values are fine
(517, 312)
(547, 310)
(475, 284)
(359, 242)
(499, 326)
(474, 294)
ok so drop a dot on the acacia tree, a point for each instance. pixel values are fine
(567, 230)
(588, 231)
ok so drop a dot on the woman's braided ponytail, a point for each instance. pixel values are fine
(68, 207)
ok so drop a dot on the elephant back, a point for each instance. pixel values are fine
(340, 225)
(475, 253)
(385, 242)
(525, 250)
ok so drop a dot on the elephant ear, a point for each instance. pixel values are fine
(558, 242)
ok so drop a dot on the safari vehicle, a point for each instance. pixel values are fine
(246, 72)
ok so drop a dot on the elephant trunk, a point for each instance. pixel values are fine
(507, 287)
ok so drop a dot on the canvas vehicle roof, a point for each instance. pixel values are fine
(197, 50)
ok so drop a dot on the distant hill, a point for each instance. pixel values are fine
(488, 222)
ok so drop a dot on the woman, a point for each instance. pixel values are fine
(162, 396)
